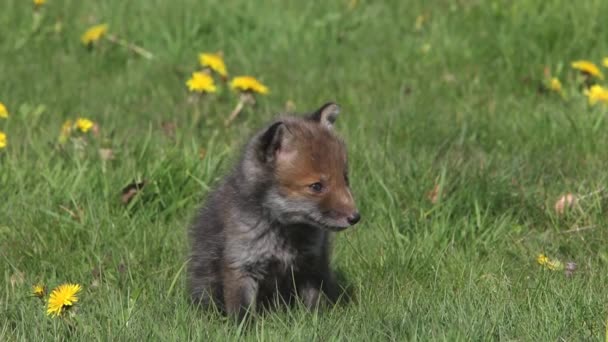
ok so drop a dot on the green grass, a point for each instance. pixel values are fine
(467, 115)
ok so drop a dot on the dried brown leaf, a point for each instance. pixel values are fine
(433, 194)
(95, 272)
(169, 128)
(565, 202)
(95, 129)
(129, 192)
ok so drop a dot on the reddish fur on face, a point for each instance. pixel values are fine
(311, 153)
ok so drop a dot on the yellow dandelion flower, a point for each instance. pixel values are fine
(94, 34)
(555, 85)
(201, 82)
(248, 84)
(84, 125)
(588, 68)
(553, 265)
(39, 2)
(3, 140)
(3, 111)
(62, 297)
(605, 62)
(542, 259)
(214, 62)
(38, 290)
(596, 94)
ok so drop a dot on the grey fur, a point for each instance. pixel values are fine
(251, 244)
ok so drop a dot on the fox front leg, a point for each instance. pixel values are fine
(240, 292)
(310, 295)
(318, 289)
(315, 293)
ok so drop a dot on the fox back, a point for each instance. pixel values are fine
(264, 232)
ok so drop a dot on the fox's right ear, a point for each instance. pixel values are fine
(327, 114)
(274, 141)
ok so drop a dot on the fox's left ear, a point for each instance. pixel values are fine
(327, 114)
(275, 141)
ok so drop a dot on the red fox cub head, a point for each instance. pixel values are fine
(305, 167)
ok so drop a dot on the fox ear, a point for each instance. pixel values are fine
(273, 141)
(327, 114)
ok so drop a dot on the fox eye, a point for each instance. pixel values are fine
(316, 187)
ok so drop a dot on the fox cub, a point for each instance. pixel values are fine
(263, 236)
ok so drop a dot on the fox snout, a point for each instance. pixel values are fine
(353, 218)
(343, 221)
(342, 209)
(349, 219)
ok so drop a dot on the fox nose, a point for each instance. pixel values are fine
(354, 218)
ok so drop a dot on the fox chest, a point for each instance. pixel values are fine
(278, 251)
(269, 255)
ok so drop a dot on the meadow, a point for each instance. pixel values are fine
(478, 161)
